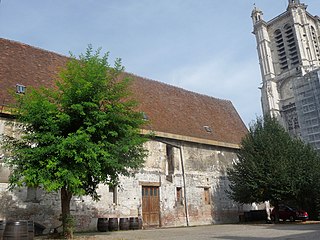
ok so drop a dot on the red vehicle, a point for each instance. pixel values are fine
(288, 213)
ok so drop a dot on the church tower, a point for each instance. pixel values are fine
(288, 50)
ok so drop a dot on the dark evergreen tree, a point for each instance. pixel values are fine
(276, 167)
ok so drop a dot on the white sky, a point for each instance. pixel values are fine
(205, 46)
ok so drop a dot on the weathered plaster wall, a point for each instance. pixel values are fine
(205, 168)
(5, 128)
(202, 166)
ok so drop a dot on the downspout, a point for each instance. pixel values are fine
(160, 218)
(183, 178)
(184, 186)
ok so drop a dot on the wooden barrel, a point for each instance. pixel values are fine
(124, 224)
(102, 224)
(30, 230)
(134, 223)
(2, 227)
(16, 231)
(38, 229)
(113, 224)
(140, 223)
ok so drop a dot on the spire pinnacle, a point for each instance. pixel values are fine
(294, 2)
(256, 14)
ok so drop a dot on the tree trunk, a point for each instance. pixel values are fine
(67, 219)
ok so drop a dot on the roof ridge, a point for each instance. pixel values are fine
(34, 47)
(171, 109)
(133, 74)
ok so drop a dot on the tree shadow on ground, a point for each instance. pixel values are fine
(309, 231)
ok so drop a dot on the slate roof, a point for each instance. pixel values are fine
(169, 109)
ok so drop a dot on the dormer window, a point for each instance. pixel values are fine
(145, 116)
(207, 129)
(20, 89)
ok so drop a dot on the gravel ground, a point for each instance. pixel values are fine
(283, 231)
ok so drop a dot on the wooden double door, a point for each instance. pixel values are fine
(150, 206)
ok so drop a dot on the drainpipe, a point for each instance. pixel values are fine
(183, 178)
(184, 186)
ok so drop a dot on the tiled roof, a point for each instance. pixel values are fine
(169, 109)
(25, 65)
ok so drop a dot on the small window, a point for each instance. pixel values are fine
(179, 195)
(206, 196)
(169, 153)
(145, 116)
(208, 129)
(32, 195)
(113, 190)
(20, 89)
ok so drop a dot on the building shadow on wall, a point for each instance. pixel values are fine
(224, 210)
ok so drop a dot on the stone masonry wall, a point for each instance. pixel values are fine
(201, 167)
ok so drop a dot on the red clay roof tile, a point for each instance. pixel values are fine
(170, 109)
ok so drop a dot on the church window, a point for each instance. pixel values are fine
(290, 117)
(281, 49)
(290, 124)
(315, 41)
(291, 45)
(296, 123)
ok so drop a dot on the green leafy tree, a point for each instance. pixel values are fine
(276, 167)
(81, 133)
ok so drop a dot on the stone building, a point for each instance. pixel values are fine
(183, 181)
(288, 50)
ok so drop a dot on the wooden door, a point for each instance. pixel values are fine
(150, 206)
